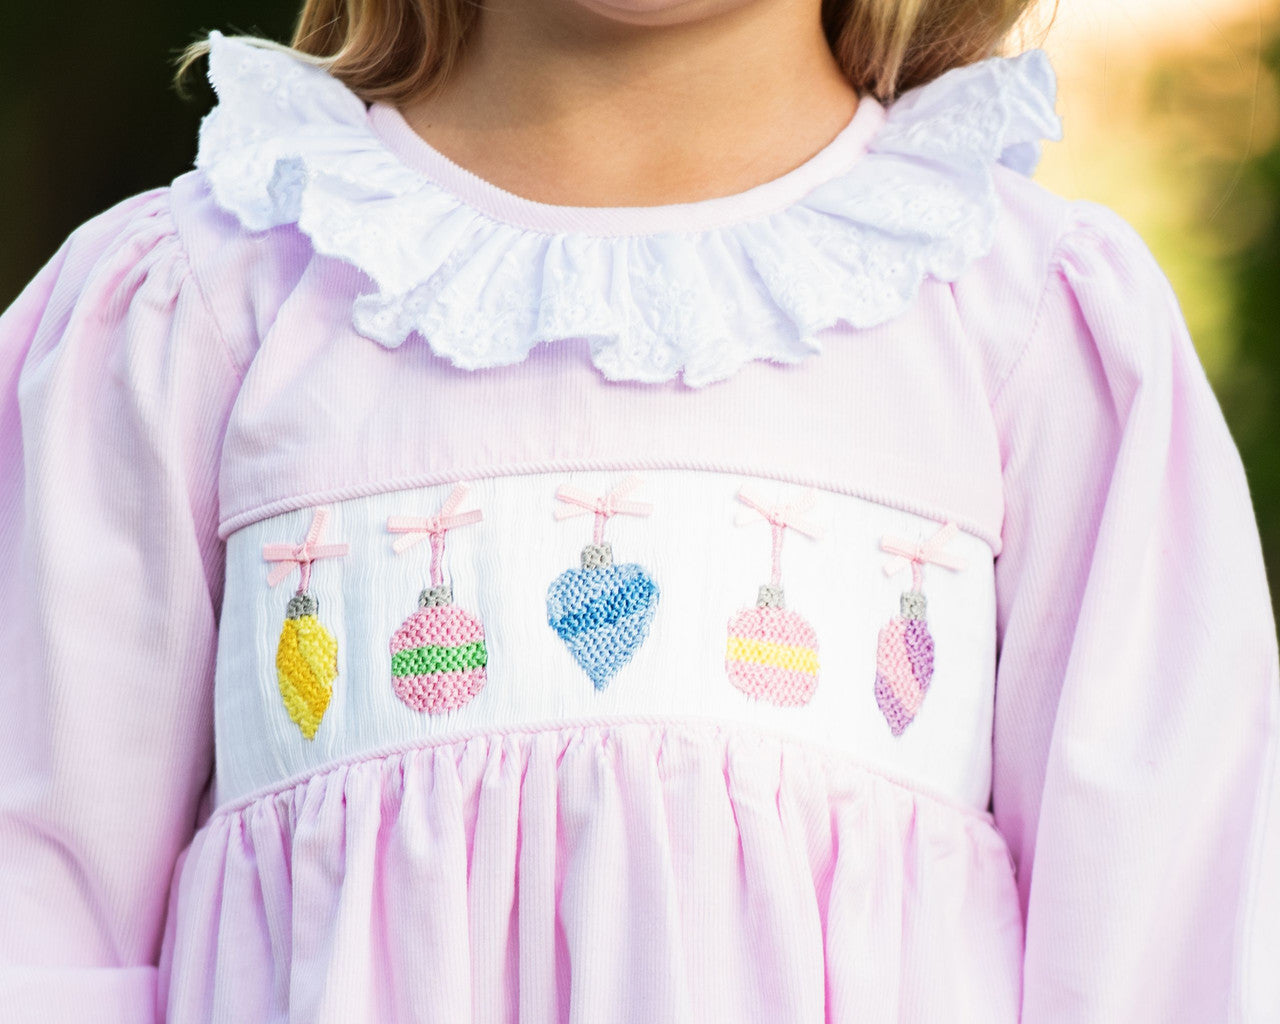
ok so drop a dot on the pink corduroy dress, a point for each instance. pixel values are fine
(838, 601)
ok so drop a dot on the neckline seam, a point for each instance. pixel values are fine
(845, 151)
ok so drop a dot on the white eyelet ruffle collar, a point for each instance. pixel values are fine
(690, 290)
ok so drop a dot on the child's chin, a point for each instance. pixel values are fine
(656, 12)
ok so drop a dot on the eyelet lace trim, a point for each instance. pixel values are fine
(288, 143)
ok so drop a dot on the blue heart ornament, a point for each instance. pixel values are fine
(602, 613)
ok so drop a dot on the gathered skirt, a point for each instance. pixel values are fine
(632, 871)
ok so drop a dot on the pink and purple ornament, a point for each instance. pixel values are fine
(438, 655)
(904, 651)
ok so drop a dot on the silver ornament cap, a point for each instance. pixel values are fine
(771, 596)
(913, 605)
(597, 556)
(300, 605)
(436, 597)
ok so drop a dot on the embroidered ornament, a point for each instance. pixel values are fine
(603, 610)
(307, 655)
(438, 654)
(904, 652)
(772, 652)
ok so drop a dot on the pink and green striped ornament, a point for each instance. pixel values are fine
(438, 655)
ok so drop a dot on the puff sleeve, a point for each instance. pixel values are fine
(115, 390)
(1137, 704)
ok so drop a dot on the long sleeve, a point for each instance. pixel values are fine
(115, 389)
(1137, 702)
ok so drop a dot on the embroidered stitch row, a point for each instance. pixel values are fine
(307, 654)
(603, 612)
(904, 651)
(438, 654)
(773, 652)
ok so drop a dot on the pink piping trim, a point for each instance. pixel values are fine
(824, 751)
(255, 513)
(497, 204)
(301, 555)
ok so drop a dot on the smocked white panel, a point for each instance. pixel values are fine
(706, 568)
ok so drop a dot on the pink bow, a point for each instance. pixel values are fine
(419, 528)
(788, 516)
(415, 528)
(914, 554)
(301, 555)
(780, 518)
(579, 503)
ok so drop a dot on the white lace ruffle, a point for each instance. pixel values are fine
(289, 143)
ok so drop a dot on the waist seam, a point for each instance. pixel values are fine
(718, 725)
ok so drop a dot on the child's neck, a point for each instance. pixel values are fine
(572, 103)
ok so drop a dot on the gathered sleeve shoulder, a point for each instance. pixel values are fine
(116, 386)
(1137, 704)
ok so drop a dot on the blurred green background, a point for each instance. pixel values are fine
(1171, 111)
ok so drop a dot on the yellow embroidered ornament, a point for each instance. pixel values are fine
(306, 663)
(307, 655)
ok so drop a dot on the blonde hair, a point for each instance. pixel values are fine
(395, 50)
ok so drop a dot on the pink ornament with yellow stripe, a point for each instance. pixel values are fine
(772, 653)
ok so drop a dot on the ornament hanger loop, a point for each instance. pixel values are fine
(578, 502)
(302, 555)
(419, 528)
(914, 554)
(791, 516)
